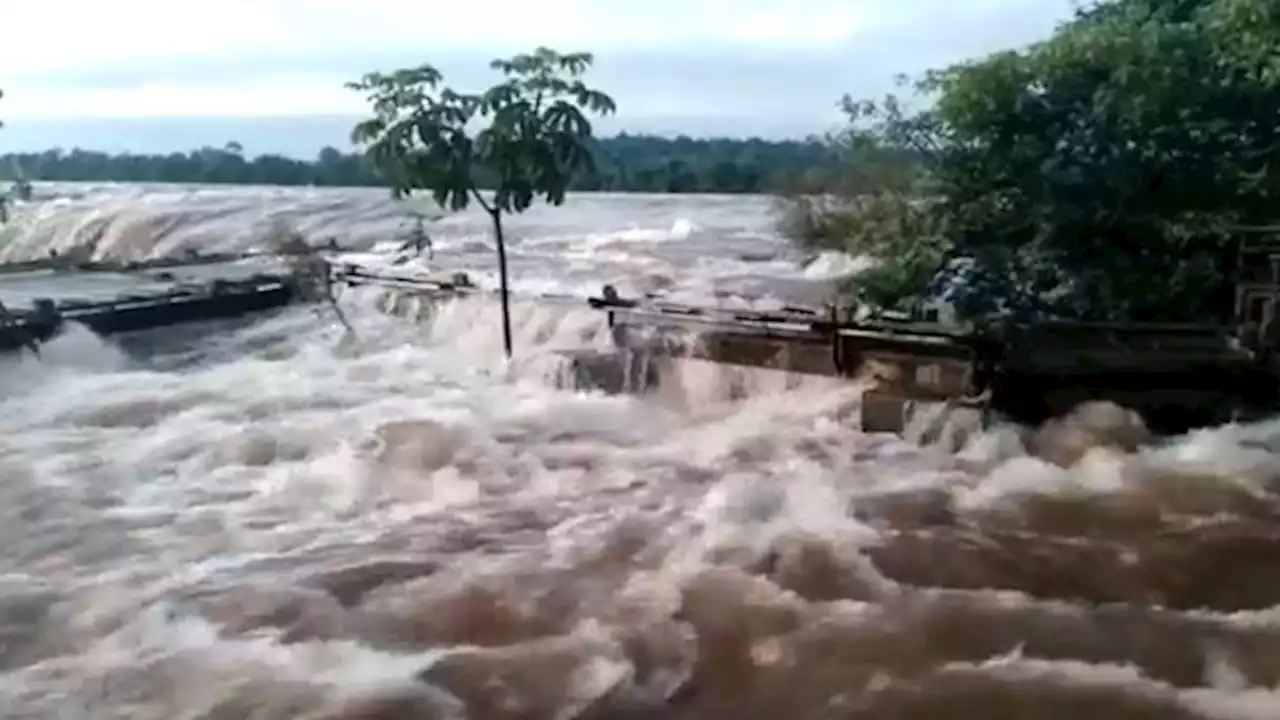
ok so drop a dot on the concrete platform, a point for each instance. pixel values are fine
(109, 303)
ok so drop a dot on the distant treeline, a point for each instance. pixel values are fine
(625, 163)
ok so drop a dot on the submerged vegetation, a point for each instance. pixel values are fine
(1110, 171)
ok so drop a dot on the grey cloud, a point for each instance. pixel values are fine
(709, 89)
(944, 32)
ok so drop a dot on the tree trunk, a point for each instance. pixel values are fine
(496, 216)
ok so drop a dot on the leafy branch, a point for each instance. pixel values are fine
(1106, 172)
(533, 137)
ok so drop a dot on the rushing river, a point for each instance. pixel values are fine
(277, 520)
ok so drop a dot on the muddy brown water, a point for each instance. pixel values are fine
(290, 523)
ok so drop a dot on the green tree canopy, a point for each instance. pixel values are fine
(531, 134)
(1109, 170)
(624, 163)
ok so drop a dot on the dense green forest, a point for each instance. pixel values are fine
(1112, 170)
(625, 163)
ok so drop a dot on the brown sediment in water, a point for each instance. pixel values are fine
(953, 616)
(1151, 594)
(1091, 578)
(739, 645)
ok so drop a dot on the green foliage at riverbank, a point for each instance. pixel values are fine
(625, 163)
(1109, 171)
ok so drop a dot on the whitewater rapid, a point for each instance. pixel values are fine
(279, 520)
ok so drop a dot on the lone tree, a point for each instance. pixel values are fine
(531, 141)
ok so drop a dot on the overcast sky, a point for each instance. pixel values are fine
(159, 75)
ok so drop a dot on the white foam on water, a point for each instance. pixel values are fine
(302, 524)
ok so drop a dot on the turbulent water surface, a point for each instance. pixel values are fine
(277, 521)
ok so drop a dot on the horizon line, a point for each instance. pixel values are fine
(814, 138)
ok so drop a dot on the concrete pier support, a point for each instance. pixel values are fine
(681, 381)
(617, 372)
